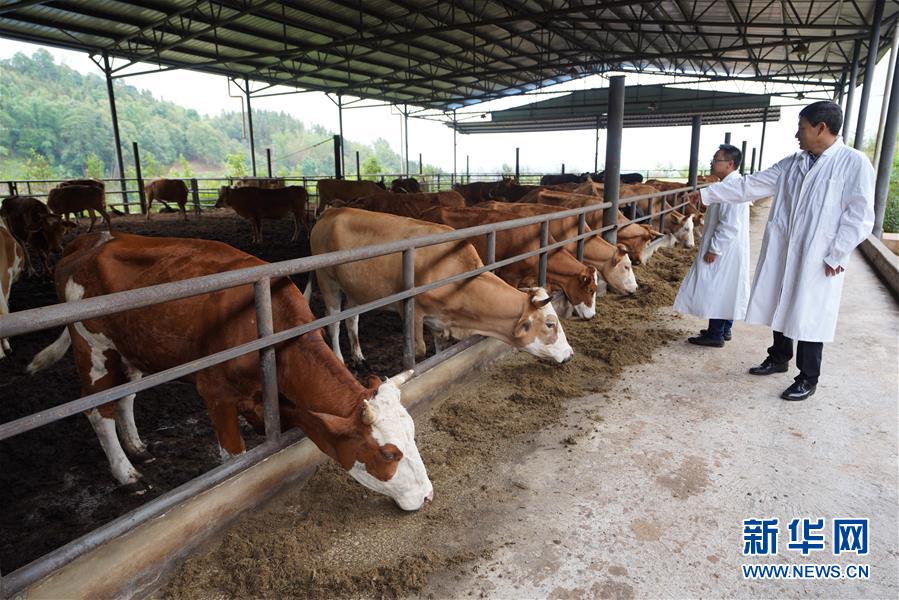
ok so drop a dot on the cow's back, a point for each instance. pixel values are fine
(330, 190)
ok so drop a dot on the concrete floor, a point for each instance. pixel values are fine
(651, 504)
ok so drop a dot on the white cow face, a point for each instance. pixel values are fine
(590, 285)
(621, 275)
(539, 330)
(396, 469)
(684, 233)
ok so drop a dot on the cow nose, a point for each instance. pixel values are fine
(429, 497)
(567, 358)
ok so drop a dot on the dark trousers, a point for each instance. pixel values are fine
(718, 327)
(808, 356)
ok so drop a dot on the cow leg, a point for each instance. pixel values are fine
(93, 217)
(149, 206)
(221, 404)
(352, 330)
(420, 348)
(259, 229)
(331, 296)
(183, 207)
(127, 428)
(105, 218)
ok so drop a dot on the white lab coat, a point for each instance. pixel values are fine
(719, 290)
(822, 210)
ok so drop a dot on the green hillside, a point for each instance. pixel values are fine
(55, 123)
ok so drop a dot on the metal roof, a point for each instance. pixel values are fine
(446, 54)
(644, 106)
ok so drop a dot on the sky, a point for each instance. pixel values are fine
(540, 152)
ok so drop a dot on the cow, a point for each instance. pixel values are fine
(624, 177)
(562, 178)
(480, 191)
(405, 186)
(269, 183)
(173, 190)
(483, 304)
(564, 273)
(330, 190)
(406, 205)
(72, 197)
(636, 237)
(35, 227)
(365, 429)
(255, 204)
(612, 262)
(12, 258)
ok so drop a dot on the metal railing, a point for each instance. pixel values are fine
(260, 277)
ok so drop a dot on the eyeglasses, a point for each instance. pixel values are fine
(714, 160)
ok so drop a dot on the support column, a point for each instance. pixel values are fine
(115, 131)
(246, 83)
(614, 127)
(454, 148)
(762, 144)
(886, 95)
(340, 126)
(596, 148)
(694, 151)
(406, 136)
(338, 152)
(727, 137)
(840, 87)
(268, 160)
(358, 170)
(743, 159)
(882, 183)
(517, 164)
(850, 95)
(752, 164)
(870, 64)
(421, 167)
(140, 180)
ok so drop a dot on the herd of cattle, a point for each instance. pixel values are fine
(364, 428)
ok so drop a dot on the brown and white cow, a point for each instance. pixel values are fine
(612, 262)
(12, 260)
(255, 204)
(72, 197)
(484, 304)
(366, 430)
(405, 205)
(173, 190)
(35, 227)
(330, 190)
(564, 273)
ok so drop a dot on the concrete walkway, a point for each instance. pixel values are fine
(651, 504)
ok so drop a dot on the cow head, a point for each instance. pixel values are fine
(682, 229)
(376, 444)
(224, 193)
(583, 297)
(619, 273)
(47, 233)
(539, 331)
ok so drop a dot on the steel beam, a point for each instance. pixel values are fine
(762, 143)
(743, 159)
(250, 123)
(894, 50)
(870, 64)
(115, 131)
(850, 95)
(612, 179)
(885, 162)
(694, 151)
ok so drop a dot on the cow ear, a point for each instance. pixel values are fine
(337, 425)
(374, 382)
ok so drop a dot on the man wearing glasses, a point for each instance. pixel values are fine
(823, 208)
(717, 286)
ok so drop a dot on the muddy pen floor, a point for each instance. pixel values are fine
(55, 483)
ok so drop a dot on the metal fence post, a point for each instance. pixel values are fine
(267, 363)
(12, 188)
(195, 192)
(544, 242)
(661, 215)
(743, 158)
(140, 180)
(438, 183)
(409, 310)
(491, 248)
(268, 159)
(358, 171)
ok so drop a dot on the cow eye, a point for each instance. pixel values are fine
(550, 325)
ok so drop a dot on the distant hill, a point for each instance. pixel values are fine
(55, 123)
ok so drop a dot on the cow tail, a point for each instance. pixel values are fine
(51, 354)
(307, 292)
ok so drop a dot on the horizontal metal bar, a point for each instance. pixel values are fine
(37, 569)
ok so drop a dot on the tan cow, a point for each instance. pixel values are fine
(564, 273)
(366, 430)
(612, 262)
(12, 260)
(268, 183)
(330, 190)
(255, 204)
(32, 224)
(482, 305)
(173, 190)
(405, 205)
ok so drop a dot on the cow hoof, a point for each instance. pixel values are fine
(138, 488)
(144, 457)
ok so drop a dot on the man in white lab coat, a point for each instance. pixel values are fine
(717, 285)
(823, 208)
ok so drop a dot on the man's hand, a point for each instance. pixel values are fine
(710, 257)
(832, 272)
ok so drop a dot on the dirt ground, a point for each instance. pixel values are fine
(330, 537)
(54, 481)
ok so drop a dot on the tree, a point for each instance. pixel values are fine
(181, 168)
(37, 167)
(371, 166)
(93, 166)
(236, 164)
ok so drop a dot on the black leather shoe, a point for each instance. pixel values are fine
(727, 334)
(768, 367)
(800, 390)
(706, 341)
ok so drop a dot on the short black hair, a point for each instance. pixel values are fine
(732, 153)
(826, 112)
